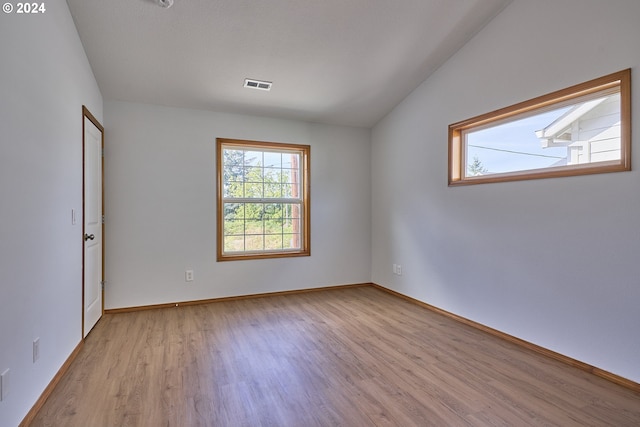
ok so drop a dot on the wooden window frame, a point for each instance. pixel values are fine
(457, 148)
(305, 161)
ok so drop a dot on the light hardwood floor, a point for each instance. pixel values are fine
(346, 357)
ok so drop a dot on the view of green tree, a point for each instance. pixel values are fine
(476, 168)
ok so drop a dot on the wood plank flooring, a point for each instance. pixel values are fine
(346, 357)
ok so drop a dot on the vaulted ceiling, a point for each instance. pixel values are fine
(331, 61)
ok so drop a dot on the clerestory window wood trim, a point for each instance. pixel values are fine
(301, 198)
(612, 83)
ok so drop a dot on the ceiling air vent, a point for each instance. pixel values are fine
(165, 3)
(257, 84)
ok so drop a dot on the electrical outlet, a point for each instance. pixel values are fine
(4, 385)
(36, 350)
(399, 270)
(188, 276)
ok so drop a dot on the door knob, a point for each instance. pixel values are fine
(89, 237)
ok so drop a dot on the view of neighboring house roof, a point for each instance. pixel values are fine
(558, 133)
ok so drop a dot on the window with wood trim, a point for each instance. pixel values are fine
(584, 129)
(263, 199)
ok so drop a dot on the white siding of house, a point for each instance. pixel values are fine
(597, 134)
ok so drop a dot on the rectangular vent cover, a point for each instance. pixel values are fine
(257, 84)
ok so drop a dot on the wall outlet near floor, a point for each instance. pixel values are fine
(397, 269)
(36, 349)
(4, 385)
(188, 276)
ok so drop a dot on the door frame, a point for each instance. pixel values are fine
(87, 114)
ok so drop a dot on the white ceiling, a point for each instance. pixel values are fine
(331, 61)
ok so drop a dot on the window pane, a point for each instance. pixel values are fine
(291, 225)
(288, 191)
(272, 160)
(254, 243)
(273, 226)
(253, 211)
(291, 241)
(233, 157)
(290, 160)
(253, 174)
(233, 164)
(254, 226)
(233, 243)
(253, 158)
(233, 210)
(253, 190)
(273, 242)
(272, 188)
(287, 176)
(272, 174)
(273, 218)
(234, 227)
(272, 211)
(291, 211)
(234, 189)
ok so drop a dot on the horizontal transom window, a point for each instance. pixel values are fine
(263, 199)
(583, 129)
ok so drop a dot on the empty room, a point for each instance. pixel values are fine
(314, 213)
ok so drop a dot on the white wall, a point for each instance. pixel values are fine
(160, 206)
(45, 79)
(554, 261)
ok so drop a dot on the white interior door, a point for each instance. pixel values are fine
(93, 247)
